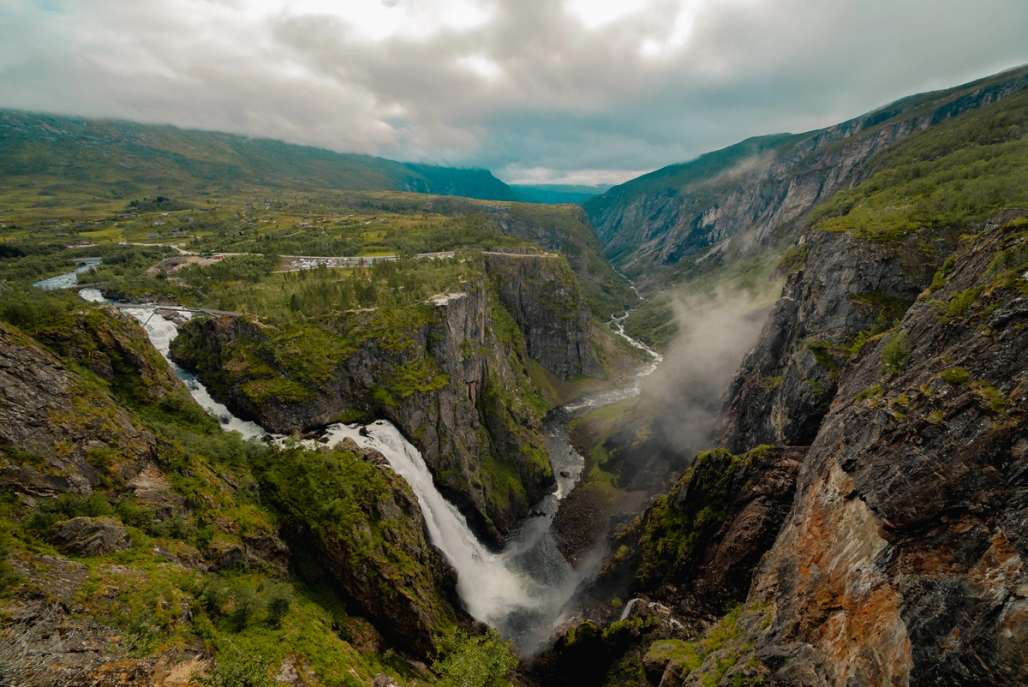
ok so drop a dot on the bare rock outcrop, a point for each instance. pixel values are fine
(902, 561)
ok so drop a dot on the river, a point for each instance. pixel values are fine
(523, 591)
(69, 279)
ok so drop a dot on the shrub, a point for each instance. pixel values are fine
(958, 305)
(955, 376)
(244, 605)
(8, 577)
(236, 668)
(990, 397)
(873, 391)
(67, 506)
(278, 607)
(794, 259)
(476, 661)
(895, 353)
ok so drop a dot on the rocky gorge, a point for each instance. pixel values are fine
(860, 525)
(463, 470)
(452, 373)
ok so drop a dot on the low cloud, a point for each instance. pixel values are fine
(716, 331)
(572, 90)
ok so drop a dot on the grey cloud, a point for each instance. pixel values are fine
(566, 98)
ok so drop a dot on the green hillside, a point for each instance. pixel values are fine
(51, 154)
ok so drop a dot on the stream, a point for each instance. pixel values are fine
(522, 591)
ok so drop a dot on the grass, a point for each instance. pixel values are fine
(705, 661)
(957, 173)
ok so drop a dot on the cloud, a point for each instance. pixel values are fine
(573, 90)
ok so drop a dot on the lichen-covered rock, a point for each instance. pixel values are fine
(902, 560)
(86, 536)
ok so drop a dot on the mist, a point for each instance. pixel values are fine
(716, 331)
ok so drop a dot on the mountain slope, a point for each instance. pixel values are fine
(123, 159)
(864, 516)
(138, 540)
(735, 200)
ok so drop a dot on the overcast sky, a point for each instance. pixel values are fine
(576, 91)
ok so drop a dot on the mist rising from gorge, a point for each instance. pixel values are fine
(715, 331)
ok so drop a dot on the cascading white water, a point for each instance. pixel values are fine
(522, 591)
(161, 331)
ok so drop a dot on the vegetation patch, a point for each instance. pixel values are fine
(954, 174)
(672, 530)
(895, 353)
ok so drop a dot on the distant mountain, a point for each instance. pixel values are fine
(737, 200)
(556, 193)
(123, 159)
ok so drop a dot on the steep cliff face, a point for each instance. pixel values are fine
(54, 425)
(895, 361)
(746, 195)
(695, 547)
(451, 374)
(139, 543)
(541, 294)
(902, 561)
(900, 558)
(843, 293)
(378, 553)
(566, 229)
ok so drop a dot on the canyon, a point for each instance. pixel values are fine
(406, 471)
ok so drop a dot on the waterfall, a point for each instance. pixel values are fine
(521, 591)
(161, 331)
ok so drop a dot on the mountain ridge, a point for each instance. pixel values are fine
(167, 157)
(674, 217)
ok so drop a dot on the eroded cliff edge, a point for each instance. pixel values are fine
(452, 373)
(902, 561)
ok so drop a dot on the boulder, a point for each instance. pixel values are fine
(85, 536)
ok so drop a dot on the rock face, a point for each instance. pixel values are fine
(542, 296)
(696, 547)
(902, 561)
(756, 191)
(452, 374)
(85, 536)
(565, 229)
(379, 552)
(50, 414)
(847, 291)
(891, 551)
